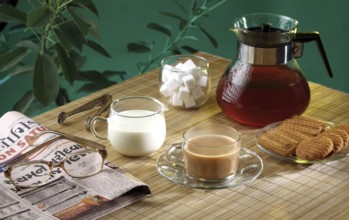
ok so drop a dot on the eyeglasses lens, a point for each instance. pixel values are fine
(30, 175)
(83, 164)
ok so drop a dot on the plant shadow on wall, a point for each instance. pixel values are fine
(53, 35)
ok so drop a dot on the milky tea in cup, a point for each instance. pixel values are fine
(211, 152)
(136, 125)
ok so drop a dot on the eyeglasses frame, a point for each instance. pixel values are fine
(101, 149)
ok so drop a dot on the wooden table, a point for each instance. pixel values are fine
(283, 191)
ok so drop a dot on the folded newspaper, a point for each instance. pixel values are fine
(63, 197)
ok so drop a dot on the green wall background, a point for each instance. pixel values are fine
(124, 21)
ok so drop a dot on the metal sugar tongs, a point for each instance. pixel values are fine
(103, 101)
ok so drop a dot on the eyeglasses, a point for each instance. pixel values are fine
(79, 164)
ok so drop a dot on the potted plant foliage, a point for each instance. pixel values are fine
(51, 49)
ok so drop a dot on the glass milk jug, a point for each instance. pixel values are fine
(265, 83)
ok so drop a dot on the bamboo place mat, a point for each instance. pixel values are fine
(283, 191)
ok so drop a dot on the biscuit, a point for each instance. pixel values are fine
(282, 136)
(294, 134)
(344, 127)
(337, 140)
(323, 124)
(315, 148)
(301, 129)
(341, 133)
(306, 124)
(305, 138)
(269, 142)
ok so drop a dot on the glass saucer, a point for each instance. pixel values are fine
(337, 156)
(250, 167)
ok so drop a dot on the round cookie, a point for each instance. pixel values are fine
(341, 133)
(337, 140)
(315, 148)
(344, 127)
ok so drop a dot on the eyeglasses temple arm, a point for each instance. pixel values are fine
(71, 138)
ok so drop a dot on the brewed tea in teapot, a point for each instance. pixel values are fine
(265, 83)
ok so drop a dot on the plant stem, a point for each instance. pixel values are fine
(50, 26)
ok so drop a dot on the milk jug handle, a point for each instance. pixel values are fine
(93, 127)
(315, 36)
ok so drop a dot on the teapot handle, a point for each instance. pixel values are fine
(314, 36)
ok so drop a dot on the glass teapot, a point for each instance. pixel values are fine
(265, 83)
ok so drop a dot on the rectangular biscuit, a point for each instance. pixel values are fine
(322, 124)
(276, 144)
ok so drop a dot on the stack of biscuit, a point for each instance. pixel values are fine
(305, 138)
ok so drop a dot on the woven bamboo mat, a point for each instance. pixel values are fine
(283, 191)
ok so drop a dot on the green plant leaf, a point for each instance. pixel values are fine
(39, 17)
(10, 59)
(28, 44)
(69, 32)
(77, 58)
(62, 97)
(92, 87)
(160, 28)
(82, 25)
(18, 70)
(33, 38)
(190, 49)
(193, 6)
(95, 46)
(110, 73)
(45, 79)
(181, 6)
(182, 25)
(3, 39)
(63, 39)
(210, 37)
(86, 3)
(67, 64)
(95, 79)
(137, 48)
(17, 28)
(172, 15)
(92, 76)
(10, 14)
(189, 38)
(27, 104)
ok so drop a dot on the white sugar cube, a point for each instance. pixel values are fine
(189, 81)
(188, 65)
(179, 76)
(202, 81)
(195, 73)
(178, 66)
(166, 72)
(202, 72)
(189, 102)
(175, 100)
(173, 85)
(165, 90)
(183, 93)
(197, 92)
